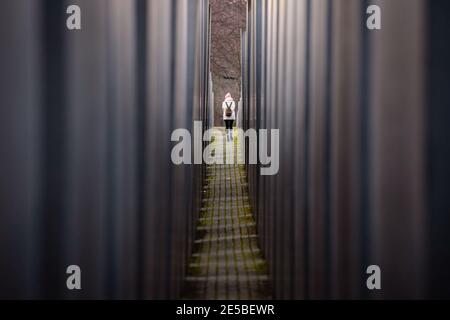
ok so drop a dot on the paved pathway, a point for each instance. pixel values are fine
(227, 263)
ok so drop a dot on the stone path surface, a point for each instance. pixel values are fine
(227, 263)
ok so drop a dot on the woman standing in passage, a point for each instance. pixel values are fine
(229, 115)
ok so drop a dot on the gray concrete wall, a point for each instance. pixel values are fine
(86, 122)
(350, 105)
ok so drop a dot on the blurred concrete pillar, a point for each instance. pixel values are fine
(397, 109)
(160, 109)
(239, 114)
(211, 103)
(182, 182)
(438, 149)
(20, 143)
(122, 151)
(317, 149)
(297, 131)
(346, 240)
(269, 204)
(177, 93)
(87, 217)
